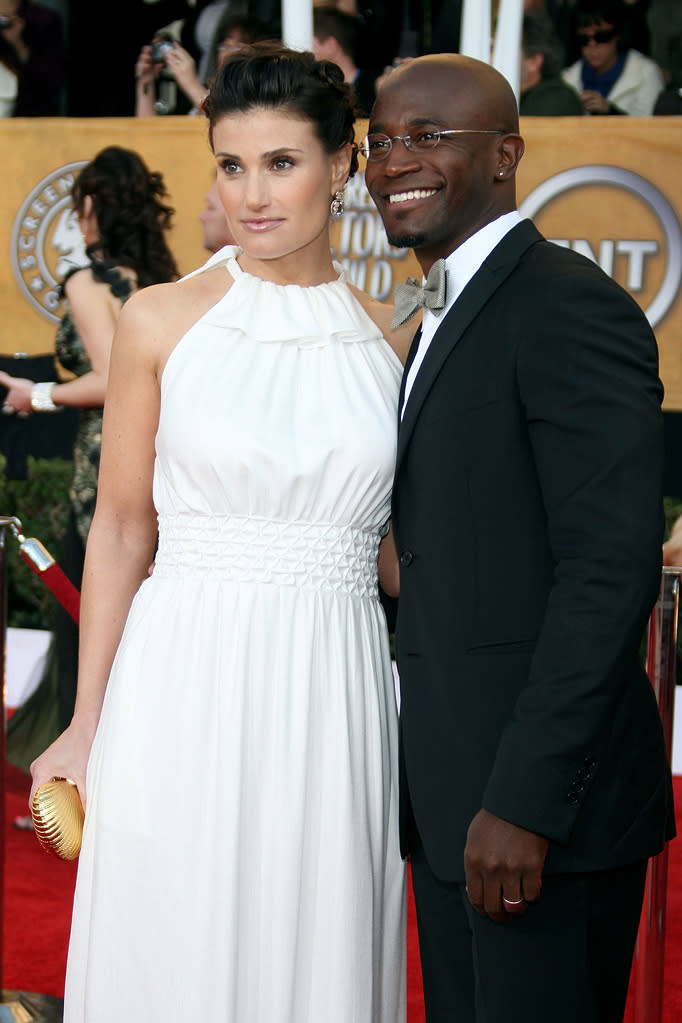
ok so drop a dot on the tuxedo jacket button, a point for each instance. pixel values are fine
(406, 558)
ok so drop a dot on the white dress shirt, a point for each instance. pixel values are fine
(461, 265)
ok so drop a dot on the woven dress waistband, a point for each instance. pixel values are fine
(307, 555)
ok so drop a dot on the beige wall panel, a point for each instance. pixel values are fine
(605, 186)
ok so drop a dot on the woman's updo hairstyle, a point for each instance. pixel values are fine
(269, 76)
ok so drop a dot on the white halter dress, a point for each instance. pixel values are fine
(240, 860)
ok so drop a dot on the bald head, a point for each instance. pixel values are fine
(478, 86)
(444, 153)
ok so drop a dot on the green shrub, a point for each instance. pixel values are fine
(41, 502)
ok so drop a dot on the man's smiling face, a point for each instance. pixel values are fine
(432, 201)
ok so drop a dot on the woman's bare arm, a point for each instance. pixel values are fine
(123, 533)
(95, 312)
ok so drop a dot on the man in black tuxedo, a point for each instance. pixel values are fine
(527, 512)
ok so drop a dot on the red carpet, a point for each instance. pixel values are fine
(39, 890)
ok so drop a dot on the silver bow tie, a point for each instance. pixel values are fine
(412, 296)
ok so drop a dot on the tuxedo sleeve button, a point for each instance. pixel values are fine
(406, 558)
(572, 798)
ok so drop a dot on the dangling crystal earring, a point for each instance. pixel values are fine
(337, 205)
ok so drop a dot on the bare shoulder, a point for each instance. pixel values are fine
(382, 313)
(83, 284)
(88, 295)
(161, 314)
(193, 295)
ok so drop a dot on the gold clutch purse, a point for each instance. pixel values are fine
(57, 814)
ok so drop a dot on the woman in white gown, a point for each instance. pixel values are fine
(235, 709)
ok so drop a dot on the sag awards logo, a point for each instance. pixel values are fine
(647, 261)
(46, 240)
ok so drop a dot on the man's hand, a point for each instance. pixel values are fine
(503, 866)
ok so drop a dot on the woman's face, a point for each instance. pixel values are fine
(599, 45)
(276, 182)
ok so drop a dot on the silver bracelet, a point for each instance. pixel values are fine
(41, 397)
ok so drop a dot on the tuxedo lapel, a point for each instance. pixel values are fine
(411, 355)
(494, 270)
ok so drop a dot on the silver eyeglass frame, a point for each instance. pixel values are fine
(407, 140)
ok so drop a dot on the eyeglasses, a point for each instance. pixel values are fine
(602, 35)
(377, 146)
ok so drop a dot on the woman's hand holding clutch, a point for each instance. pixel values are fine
(67, 757)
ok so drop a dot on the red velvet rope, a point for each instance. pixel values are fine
(59, 584)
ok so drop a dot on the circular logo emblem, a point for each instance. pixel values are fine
(46, 240)
(637, 250)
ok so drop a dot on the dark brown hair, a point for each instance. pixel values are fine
(131, 217)
(270, 76)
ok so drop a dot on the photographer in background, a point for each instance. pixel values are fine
(31, 59)
(166, 63)
(157, 78)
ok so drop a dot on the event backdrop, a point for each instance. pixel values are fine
(607, 187)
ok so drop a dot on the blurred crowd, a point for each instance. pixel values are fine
(155, 57)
